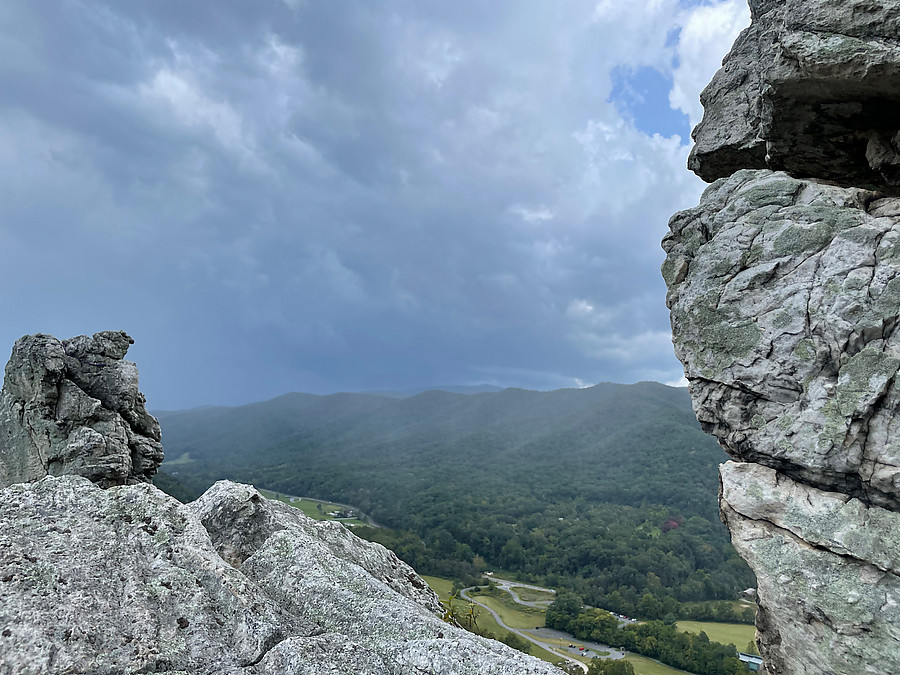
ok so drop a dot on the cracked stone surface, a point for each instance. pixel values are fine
(784, 291)
(73, 407)
(810, 88)
(784, 298)
(129, 580)
(828, 568)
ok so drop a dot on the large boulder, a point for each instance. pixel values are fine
(73, 407)
(784, 291)
(828, 569)
(129, 580)
(785, 297)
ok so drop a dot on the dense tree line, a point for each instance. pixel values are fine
(609, 667)
(695, 653)
(615, 557)
(608, 491)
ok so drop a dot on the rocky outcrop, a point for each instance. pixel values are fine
(828, 571)
(810, 88)
(128, 580)
(784, 291)
(101, 572)
(73, 407)
(785, 296)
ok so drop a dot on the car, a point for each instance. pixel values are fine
(581, 649)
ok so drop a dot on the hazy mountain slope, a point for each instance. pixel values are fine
(577, 485)
(615, 439)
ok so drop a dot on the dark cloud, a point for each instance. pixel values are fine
(324, 196)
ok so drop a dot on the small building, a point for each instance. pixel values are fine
(753, 662)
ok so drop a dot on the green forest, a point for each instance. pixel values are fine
(608, 491)
(695, 653)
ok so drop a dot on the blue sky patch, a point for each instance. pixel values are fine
(642, 95)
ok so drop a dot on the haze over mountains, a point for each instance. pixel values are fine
(610, 489)
(622, 433)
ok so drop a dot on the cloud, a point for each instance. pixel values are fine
(291, 195)
(682, 382)
(192, 107)
(706, 36)
(532, 215)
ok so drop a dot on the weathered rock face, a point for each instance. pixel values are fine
(831, 573)
(129, 580)
(785, 296)
(784, 289)
(810, 87)
(73, 407)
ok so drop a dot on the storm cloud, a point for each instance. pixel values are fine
(304, 195)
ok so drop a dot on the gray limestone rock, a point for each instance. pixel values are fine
(828, 570)
(784, 291)
(73, 407)
(367, 602)
(811, 87)
(122, 580)
(785, 298)
(128, 580)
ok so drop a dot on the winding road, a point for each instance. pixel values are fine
(508, 586)
(464, 593)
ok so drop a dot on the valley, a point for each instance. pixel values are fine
(608, 491)
(500, 610)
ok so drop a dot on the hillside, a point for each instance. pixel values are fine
(597, 486)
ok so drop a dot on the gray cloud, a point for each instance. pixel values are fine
(323, 196)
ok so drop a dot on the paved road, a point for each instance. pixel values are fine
(591, 649)
(464, 593)
(508, 586)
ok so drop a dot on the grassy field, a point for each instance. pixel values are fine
(514, 615)
(440, 586)
(644, 666)
(443, 587)
(311, 506)
(527, 618)
(486, 622)
(737, 634)
(531, 595)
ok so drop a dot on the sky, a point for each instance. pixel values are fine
(323, 196)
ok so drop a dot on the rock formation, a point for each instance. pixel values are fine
(129, 580)
(784, 291)
(73, 407)
(809, 88)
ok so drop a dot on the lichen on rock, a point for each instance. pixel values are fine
(128, 580)
(73, 407)
(784, 318)
(810, 88)
(784, 291)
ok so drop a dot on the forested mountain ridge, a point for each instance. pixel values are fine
(595, 488)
